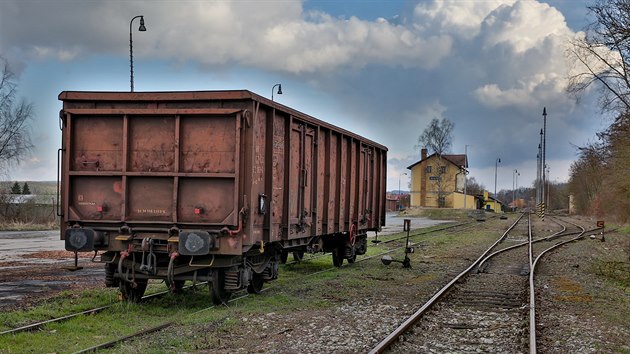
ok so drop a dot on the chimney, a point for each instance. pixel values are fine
(423, 178)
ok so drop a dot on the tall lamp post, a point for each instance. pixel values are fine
(496, 166)
(400, 175)
(279, 90)
(465, 173)
(548, 187)
(141, 29)
(544, 153)
(514, 177)
(518, 174)
(538, 174)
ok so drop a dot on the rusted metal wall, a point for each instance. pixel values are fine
(206, 160)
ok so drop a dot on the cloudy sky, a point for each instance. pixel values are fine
(381, 68)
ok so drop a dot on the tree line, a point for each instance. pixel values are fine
(17, 189)
(600, 177)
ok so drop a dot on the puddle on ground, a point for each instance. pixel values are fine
(14, 292)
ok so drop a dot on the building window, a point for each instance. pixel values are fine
(442, 169)
(428, 169)
(441, 202)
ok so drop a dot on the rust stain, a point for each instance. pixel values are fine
(570, 291)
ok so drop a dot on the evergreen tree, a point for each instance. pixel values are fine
(25, 189)
(16, 189)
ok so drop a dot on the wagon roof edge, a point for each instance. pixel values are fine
(201, 95)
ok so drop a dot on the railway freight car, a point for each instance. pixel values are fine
(210, 186)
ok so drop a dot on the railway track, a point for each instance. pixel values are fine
(39, 324)
(484, 307)
(450, 228)
(391, 245)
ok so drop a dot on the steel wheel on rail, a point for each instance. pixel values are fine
(283, 256)
(110, 280)
(350, 246)
(337, 256)
(256, 284)
(217, 287)
(176, 286)
(298, 255)
(133, 292)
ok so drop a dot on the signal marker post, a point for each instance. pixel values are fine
(602, 224)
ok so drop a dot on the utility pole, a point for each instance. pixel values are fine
(465, 173)
(514, 190)
(543, 165)
(496, 167)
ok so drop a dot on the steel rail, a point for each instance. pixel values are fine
(404, 327)
(150, 329)
(448, 227)
(532, 307)
(520, 245)
(532, 293)
(36, 325)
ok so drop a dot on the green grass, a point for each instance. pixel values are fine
(624, 230)
(63, 304)
(437, 213)
(88, 330)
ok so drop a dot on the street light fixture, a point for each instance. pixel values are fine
(514, 177)
(279, 90)
(538, 174)
(400, 175)
(466, 173)
(496, 166)
(548, 187)
(141, 29)
(544, 157)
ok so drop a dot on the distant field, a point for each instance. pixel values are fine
(41, 188)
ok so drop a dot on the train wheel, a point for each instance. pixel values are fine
(298, 255)
(283, 256)
(175, 287)
(337, 256)
(256, 284)
(217, 287)
(110, 281)
(131, 294)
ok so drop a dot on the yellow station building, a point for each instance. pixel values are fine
(437, 181)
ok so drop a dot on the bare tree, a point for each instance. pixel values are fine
(474, 187)
(15, 116)
(586, 179)
(438, 136)
(603, 56)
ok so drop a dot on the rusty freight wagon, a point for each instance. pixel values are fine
(214, 186)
